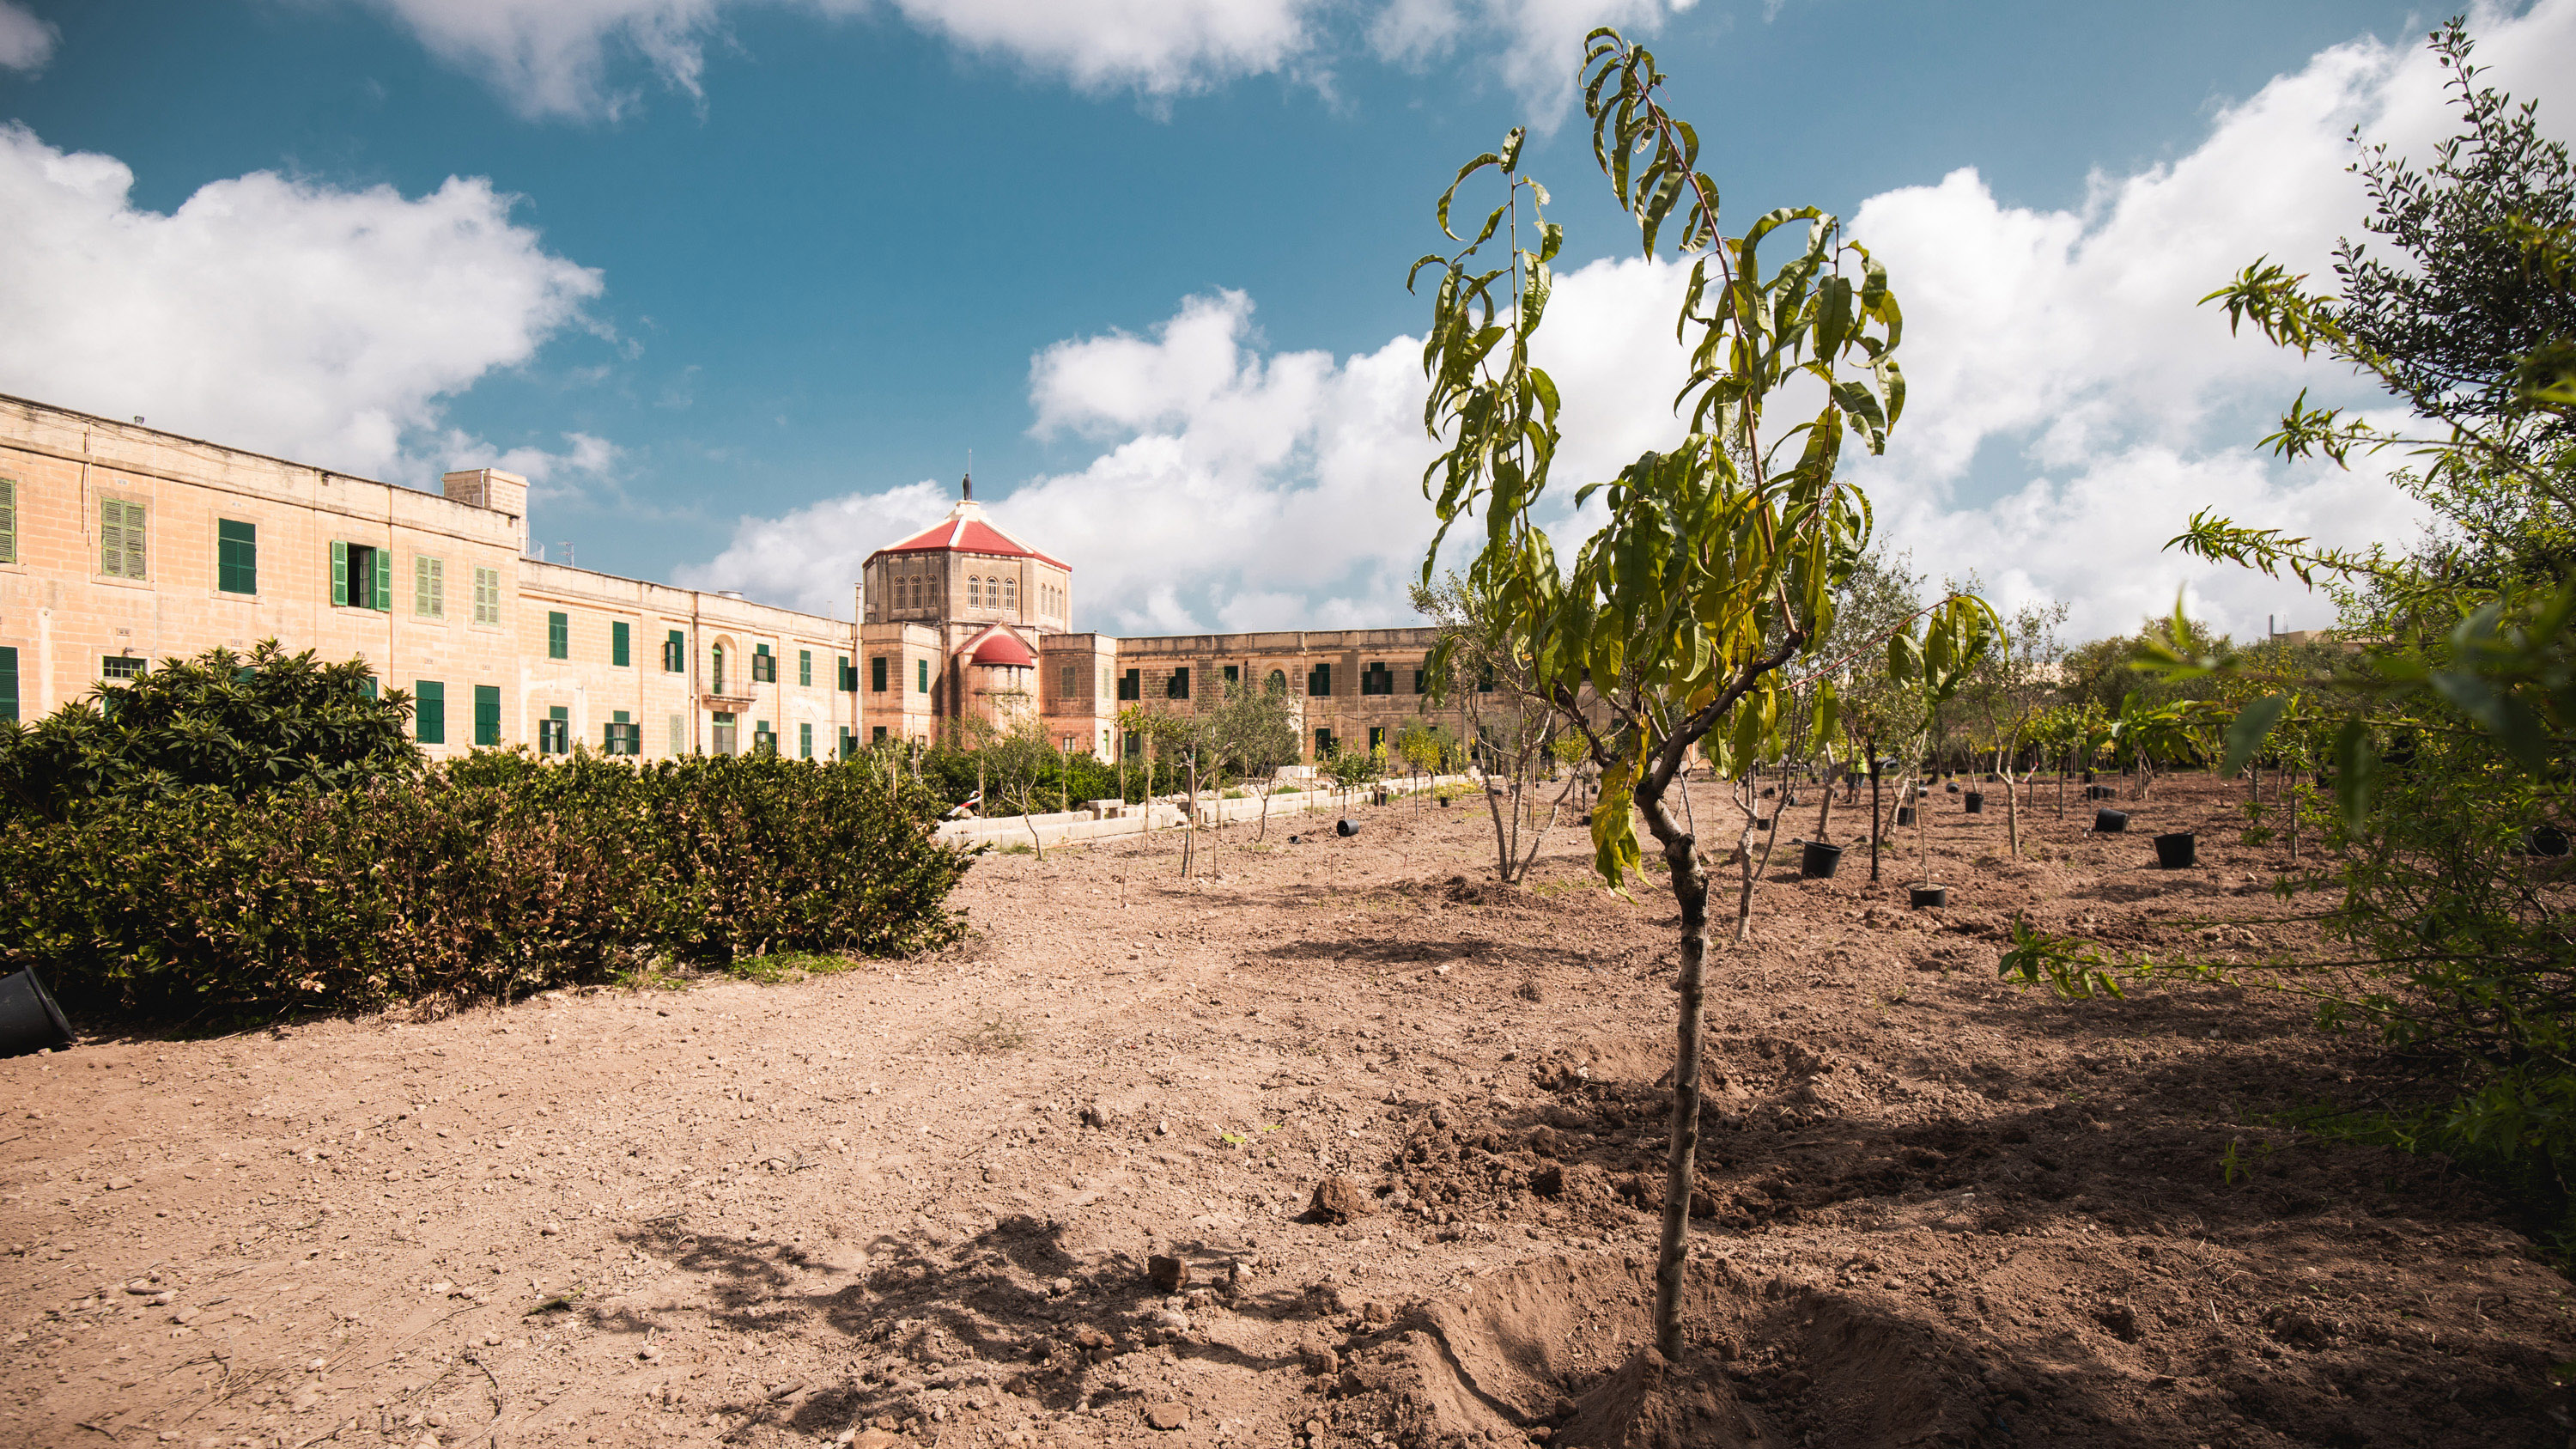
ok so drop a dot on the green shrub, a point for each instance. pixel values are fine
(240, 724)
(487, 879)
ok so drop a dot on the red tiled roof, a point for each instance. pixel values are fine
(960, 534)
(998, 645)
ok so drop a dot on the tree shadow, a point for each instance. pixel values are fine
(955, 1326)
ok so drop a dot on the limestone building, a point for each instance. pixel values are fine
(122, 545)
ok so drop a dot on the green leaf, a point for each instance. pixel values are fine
(2253, 723)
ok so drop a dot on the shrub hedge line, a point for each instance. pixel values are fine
(484, 879)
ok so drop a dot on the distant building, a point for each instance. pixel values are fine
(121, 545)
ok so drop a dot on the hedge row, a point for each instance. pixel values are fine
(488, 878)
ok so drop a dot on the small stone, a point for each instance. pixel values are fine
(650, 1353)
(1166, 1417)
(877, 1439)
(1060, 1287)
(1168, 1273)
(548, 1231)
(1340, 1199)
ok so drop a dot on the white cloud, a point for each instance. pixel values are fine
(1531, 46)
(585, 462)
(321, 324)
(557, 57)
(810, 558)
(2066, 349)
(26, 40)
(2073, 340)
(1157, 47)
(1236, 489)
(561, 57)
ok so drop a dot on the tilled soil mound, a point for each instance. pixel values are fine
(1554, 1343)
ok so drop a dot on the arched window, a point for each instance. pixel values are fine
(715, 671)
(1277, 683)
(1010, 593)
(974, 592)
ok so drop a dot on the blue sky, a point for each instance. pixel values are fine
(747, 280)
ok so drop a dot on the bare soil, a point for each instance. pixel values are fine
(923, 1202)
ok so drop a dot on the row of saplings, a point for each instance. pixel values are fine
(1820, 859)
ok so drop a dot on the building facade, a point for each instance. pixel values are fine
(121, 545)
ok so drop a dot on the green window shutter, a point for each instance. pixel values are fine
(621, 643)
(848, 676)
(429, 711)
(339, 573)
(921, 676)
(877, 675)
(369, 685)
(120, 539)
(805, 667)
(8, 520)
(236, 556)
(804, 742)
(675, 653)
(8, 684)
(428, 587)
(487, 714)
(380, 565)
(558, 636)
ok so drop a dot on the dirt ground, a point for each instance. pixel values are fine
(923, 1202)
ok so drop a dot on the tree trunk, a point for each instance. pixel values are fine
(1824, 819)
(1875, 812)
(1190, 827)
(1690, 892)
(2012, 815)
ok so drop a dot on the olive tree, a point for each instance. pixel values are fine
(1680, 622)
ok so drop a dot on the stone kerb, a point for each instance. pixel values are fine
(1118, 818)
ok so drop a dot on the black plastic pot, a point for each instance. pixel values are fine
(1904, 815)
(2101, 792)
(1975, 801)
(2088, 777)
(1763, 822)
(1444, 804)
(1952, 787)
(1928, 898)
(1346, 828)
(29, 1020)
(2110, 822)
(1819, 861)
(2177, 850)
(2544, 840)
